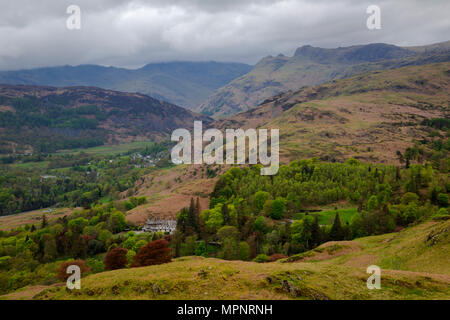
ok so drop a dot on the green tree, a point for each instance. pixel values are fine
(442, 200)
(260, 199)
(277, 209)
(244, 251)
(336, 232)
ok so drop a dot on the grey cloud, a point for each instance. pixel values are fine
(132, 33)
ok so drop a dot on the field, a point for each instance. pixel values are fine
(110, 149)
(326, 217)
(31, 217)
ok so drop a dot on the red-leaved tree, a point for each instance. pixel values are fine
(155, 252)
(116, 259)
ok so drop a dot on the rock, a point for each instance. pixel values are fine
(115, 290)
(157, 289)
(202, 273)
(302, 292)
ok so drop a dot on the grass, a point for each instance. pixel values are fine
(31, 165)
(326, 217)
(111, 149)
(339, 274)
(346, 214)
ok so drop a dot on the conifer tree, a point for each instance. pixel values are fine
(226, 214)
(192, 217)
(316, 237)
(336, 232)
(44, 221)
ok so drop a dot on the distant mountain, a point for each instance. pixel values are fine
(369, 116)
(47, 119)
(186, 84)
(311, 66)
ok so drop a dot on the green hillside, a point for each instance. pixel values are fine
(47, 119)
(414, 265)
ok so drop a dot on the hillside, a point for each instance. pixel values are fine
(186, 84)
(414, 265)
(368, 116)
(37, 118)
(312, 66)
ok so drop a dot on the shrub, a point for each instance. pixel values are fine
(410, 197)
(277, 256)
(116, 259)
(61, 272)
(155, 252)
(261, 258)
(139, 245)
(96, 266)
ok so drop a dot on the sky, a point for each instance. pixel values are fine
(132, 33)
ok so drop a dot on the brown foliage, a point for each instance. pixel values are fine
(277, 256)
(116, 259)
(155, 252)
(61, 272)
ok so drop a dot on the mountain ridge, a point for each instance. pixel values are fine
(368, 116)
(46, 118)
(312, 66)
(183, 83)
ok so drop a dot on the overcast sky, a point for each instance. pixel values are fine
(131, 33)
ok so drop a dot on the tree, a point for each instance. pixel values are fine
(316, 236)
(229, 236)
(372, 204)
(226, 214)
(244, 251)
(442, 200)
(192, 222)
(191, 245)
(44, 221)
(61, 272)
(197, 207)
(139, 245)
(176, 240)
(50, 250)
(260, 199)
(336, 232)
(117, 222)
(357, 226)
(261, 224)
(277, 209)
(116, 259)
(228, 232)
(155, 252)
(410, 197)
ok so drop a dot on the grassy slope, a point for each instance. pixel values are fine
(412, 268)
(169, 190)
(368, 116)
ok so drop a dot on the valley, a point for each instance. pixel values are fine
(363, 180)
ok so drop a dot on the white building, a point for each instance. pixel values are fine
(154, 225)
